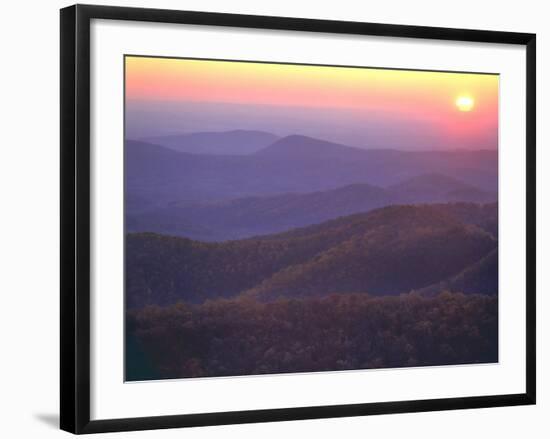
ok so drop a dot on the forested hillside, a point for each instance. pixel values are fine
(339, 332)
(388, 251)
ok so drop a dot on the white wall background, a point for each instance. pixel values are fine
(29, 198)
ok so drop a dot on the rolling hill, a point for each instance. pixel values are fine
(297, 147)
(387, 251)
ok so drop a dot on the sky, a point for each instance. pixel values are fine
(364, 107)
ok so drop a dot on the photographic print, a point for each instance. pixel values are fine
(287, 218)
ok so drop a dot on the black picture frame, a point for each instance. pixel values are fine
(75, 217)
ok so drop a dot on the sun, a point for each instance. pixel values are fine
(464, 103)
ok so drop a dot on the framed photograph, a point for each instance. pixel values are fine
(268, 218)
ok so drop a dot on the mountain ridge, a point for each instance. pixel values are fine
(156, 177)
(249, 216)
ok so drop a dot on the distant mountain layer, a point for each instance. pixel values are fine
(236, 142)
(384, 252)
(156, 176)
(250, 216)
